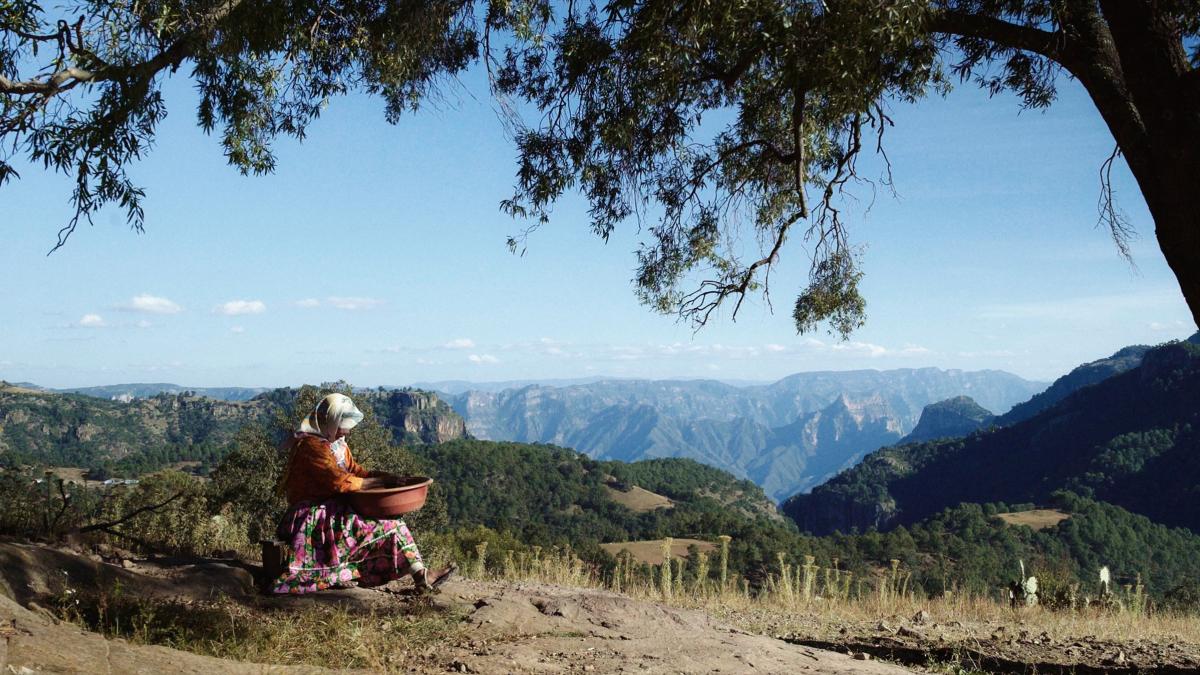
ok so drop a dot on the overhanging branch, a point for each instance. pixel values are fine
(999, 31)
(66, 78)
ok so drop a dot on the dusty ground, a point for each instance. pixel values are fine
(1012, 645)
(541, 628)
(507, 628)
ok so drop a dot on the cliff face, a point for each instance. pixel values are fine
(418, 416)
(72, 429)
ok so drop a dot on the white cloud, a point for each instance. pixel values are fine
(774, 348)
(482, 358)
(865, 348)
(1173, 326)
(156, 367)
(308, 303)
(91, 321)
(237, 329)
(152, 304)
(238, 307)
(354, 304)
(142, 323)
(460, 343)
(988, 353)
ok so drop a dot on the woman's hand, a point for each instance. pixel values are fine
(389, 479)
(379, 479)
(375, 482)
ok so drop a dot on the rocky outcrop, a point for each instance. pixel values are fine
(419, 416)
(956, 416)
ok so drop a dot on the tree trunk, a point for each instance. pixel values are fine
(1172, 192)
(1132, 62)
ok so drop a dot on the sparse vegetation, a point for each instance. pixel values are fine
(380, 640)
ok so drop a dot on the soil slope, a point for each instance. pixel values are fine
(512, 628)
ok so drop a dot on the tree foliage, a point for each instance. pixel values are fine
(735, 126)
(80, 83)
(727, 128)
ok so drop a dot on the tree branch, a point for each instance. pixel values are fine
(1004, 33)
(129, 516)
(172, 56)
(699, 305)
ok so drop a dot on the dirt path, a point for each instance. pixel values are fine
(509, 628)
(539, 628)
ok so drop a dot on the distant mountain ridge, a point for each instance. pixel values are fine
(961, 416)
(1131, 439)
(146, 390)
(1079, 377)
(786, 436)
(42, 426)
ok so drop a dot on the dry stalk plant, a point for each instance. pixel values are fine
(817, 601)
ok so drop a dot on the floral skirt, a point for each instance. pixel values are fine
(329, 544)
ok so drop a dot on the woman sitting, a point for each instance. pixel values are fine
(328, 543)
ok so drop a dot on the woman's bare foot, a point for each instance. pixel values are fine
(428, 582)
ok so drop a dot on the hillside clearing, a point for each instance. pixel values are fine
(638, 499)
(651, 551)
(70, 474)
(1037, 519)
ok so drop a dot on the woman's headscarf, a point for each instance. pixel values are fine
(335, 411)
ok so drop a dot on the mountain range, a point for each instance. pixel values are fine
(1124, 430)
(786, 436)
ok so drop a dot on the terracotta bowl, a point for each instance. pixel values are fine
(392, 501)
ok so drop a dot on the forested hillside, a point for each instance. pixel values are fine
(1130, 440)
(544, 495)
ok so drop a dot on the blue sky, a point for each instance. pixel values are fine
(376, 254)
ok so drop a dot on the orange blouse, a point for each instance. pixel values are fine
(313, 474)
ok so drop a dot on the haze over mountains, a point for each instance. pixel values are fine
(787, 436)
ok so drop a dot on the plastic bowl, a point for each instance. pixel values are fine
(392, 501)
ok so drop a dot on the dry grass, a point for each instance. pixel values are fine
(650, 552)
(639, 499)
(384, 640)
(1037, 519)
(813, 603)
(70, 474)
(976, 616)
